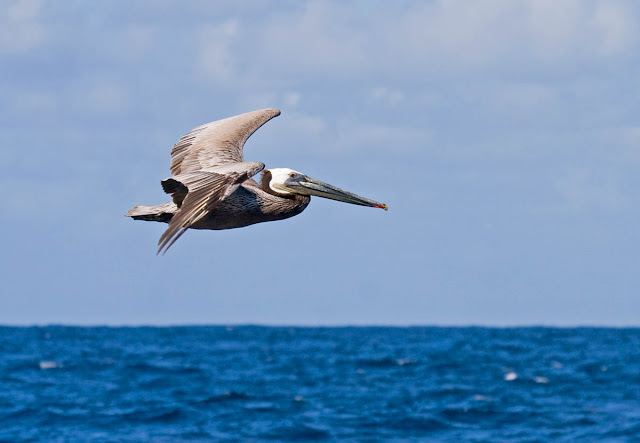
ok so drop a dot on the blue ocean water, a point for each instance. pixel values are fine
(262, 383)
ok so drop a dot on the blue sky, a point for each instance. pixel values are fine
(504, 136)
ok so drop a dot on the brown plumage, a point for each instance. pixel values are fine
(212, 185)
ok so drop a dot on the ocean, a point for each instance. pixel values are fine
(113, 384)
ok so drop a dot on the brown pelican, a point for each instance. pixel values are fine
(212, 186)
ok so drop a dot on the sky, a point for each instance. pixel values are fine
(504, 136)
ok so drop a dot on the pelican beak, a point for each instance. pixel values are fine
(311, 186)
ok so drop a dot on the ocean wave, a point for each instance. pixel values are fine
(255, 383)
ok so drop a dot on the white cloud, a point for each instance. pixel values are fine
(622, 143)
(631, 136)
(616, 26)
(23, 10)
(335, 39)
(35, 102)
(104, 97)
(582, 189)
(317, 37)
(258, 100)
(287, 101)
(364, 136)
(553, 29)
(308, 124)
(388, 96)
(296, 129)
(20, 28)
(291, 99)
(446, 32)
(301, 128)
(136, 39)
(524, 96)
(216, 59)
(485, 33)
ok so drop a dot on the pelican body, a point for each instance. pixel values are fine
(212, 186)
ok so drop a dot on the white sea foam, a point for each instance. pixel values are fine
(510, 376)
(479, 397)
(47, 364)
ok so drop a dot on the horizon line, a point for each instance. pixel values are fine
(318, 326)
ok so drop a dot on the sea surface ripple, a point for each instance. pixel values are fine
(265, 383)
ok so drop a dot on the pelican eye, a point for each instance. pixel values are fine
(293, 175)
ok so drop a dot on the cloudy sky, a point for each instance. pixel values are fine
(504, 136)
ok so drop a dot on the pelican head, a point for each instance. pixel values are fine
(285, 181)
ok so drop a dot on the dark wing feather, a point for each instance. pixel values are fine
(204, 191)
(217, 143)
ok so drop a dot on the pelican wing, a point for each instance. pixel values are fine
(217, 143)
(197, 192)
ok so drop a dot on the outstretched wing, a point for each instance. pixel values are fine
(218, 142)
(203, 191)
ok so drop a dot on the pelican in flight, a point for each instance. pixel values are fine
(212, 186)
